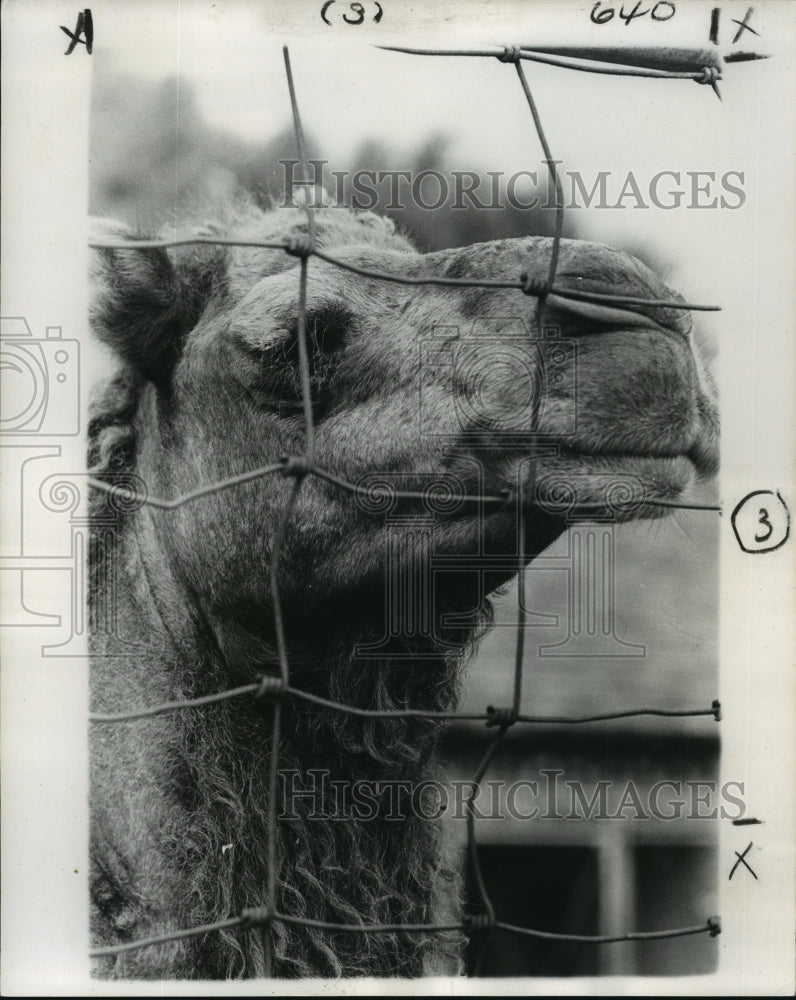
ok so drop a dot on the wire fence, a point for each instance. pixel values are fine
(277, 689)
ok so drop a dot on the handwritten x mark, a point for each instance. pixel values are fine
(744, 26)
(742, 861)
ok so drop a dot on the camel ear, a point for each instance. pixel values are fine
(145, 302)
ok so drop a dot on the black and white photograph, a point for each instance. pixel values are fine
(397, 437)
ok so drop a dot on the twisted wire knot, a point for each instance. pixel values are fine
(299, 245)
(270, 687)
(295, 465)
(503, 717)
(710, 74)
(475, 922)
(714, 923)
(716, 706)
(256, 916)
(532, 285)
(510, 54)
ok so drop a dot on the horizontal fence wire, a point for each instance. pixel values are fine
(125, 494)
(274, 689)
(253, 918)
(278, 688)
(299, 248)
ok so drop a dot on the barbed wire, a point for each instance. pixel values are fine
(278, 688)
(707, 71)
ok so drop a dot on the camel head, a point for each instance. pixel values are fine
(441, 391)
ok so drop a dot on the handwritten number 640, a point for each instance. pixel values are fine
(357, 9)
(662, 11)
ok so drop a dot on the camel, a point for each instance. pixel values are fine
(411, 386)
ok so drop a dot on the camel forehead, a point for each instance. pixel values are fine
(579, 260)
(332, 230)
(369, 240)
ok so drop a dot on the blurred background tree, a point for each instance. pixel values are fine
(154, 160)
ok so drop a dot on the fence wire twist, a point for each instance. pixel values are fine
(299, 467)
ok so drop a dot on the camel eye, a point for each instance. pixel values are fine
(273, 365)
(326, 330)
